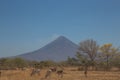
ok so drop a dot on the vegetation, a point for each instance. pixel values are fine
(87, 54)
(19, 63)
(8, 63)
(108, 52)
(90, 56)
(70, 73)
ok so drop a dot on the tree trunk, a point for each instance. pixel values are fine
(107, 67)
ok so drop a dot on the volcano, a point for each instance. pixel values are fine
(57, 50)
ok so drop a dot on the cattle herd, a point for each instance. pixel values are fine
(48, 72)
(58, 71)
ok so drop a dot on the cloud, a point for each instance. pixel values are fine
(54, 36)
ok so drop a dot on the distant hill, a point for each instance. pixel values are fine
(57, 50)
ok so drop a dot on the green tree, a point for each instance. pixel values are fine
(19, 62)
(72, 61)
(108, 52)
(3, 63)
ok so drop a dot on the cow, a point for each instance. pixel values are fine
(53, 69)
(48, 73)
(85, 70)
(60, 73)
(0, 73)
(35, 71)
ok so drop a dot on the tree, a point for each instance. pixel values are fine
(19, 63)
(6, 63)
(3, 63)
(108, 52)
(116, 61)
(72, 61)
(87, 53)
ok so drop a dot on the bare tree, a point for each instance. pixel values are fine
(87, 53)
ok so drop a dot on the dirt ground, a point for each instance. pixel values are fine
(69, 74)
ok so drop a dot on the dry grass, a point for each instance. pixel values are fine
(69, 74)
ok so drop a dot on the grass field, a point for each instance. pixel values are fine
(69, 74)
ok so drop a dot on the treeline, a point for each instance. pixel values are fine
(89, 54)
(19, 63)
(12, 63)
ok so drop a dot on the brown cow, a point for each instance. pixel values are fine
(0, 73)
(35, 71)
(53, 69)
(48, 73)
(85, 71)
(60, 73)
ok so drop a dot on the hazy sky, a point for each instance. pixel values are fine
(27, 25)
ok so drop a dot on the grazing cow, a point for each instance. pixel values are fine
(35, 71)
(60, 73)
(85, 71)
(53, 69)
(0, 73)
(48, 73)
